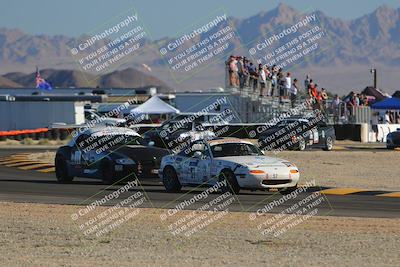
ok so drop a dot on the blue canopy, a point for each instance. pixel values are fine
(388, 103)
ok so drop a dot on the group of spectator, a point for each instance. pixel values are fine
(319, 97)
(271, 80)
(354, 99)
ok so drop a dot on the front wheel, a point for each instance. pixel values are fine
(328, 144)
(302, 144)
(230, 182)
(62, 170)
(171, 181)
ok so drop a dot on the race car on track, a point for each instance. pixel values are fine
(109, 154)
(241, 164)
(393, 139)
(180, 131)
(298, 133)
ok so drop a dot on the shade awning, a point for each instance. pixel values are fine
(154, 106)
(388, 103)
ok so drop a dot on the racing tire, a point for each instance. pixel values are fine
(302, 144)
(287, 190)
(328, 144)
(62, 170)
(170, 180)
(107, 172)
(390, 147)
(232, 185)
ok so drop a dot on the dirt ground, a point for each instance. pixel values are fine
(376, 170)
(371, 169)
(38, 235)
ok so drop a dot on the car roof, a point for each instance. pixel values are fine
(103, 131)
(294, 120)
(107, 130)
(226, 140)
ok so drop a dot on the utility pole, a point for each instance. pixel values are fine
(373, 71)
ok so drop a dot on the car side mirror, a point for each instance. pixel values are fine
(197, 154)
(151, 143)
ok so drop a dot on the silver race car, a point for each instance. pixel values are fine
(241, 164)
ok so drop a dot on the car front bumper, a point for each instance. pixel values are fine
(264, 181)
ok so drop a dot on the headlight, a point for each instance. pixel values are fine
(125, 161)
(257, 172)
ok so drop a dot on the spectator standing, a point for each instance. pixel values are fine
(335, 108)
(233, 71)
(268, 79)
(288, 84)
(386, 120)
(262, 79)
(274, 81)
(246, 72)
(281, 85)
(310, 88)
(324, 98)
(241, 70)
(307, 82)
(374, 124)
(253, 76)
(293, 93)
(315, 96)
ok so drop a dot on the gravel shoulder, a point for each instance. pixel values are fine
(37, 234)
(374, 170)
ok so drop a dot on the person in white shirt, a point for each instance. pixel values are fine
(387, 118)
(262, 78)
(335, 108)
(288, 83)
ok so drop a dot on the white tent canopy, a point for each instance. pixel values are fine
(154, 106)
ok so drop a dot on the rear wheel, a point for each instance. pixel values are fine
(328, 144)
(62, 170)
(231, 182)
(302, 144)
(170, 180)
(389, 147)
(287, 190)
(107, 172)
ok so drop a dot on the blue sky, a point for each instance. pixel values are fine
(162, 18)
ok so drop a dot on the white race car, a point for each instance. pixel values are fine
(240, 163)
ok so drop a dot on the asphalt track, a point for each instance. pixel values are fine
(18, 185)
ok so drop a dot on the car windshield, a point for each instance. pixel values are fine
(235, 149)
(174, 125)
(109, 140)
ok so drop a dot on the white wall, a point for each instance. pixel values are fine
(383, 130)
(38, 114)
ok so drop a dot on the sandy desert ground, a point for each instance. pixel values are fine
(38, 235)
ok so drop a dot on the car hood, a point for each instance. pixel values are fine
(256, 161)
